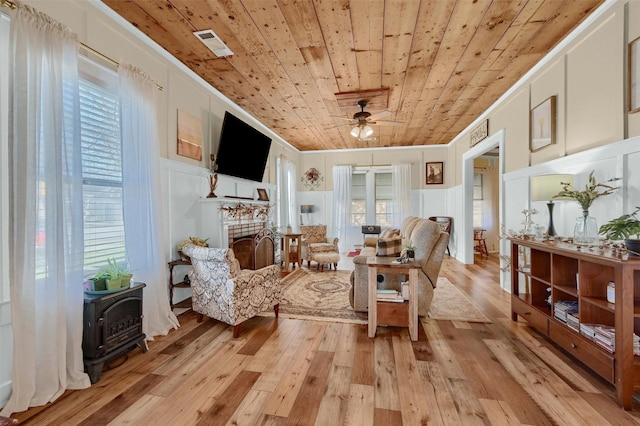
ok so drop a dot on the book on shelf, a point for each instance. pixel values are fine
(386, 295)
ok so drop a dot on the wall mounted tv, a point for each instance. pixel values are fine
(242, 151)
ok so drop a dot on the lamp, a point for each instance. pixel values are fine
(544, 187)
(362, 131)
(306, 208)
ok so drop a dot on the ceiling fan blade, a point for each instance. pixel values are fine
(339, 117)
(379, 115)
(336, 127)
(387, 123)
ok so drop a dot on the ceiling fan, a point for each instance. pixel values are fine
(362, 121)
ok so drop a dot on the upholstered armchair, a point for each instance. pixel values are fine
(223, 291)
(315, 242)
(430, 242)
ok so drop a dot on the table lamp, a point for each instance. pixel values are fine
(544, 187)
(306, 208)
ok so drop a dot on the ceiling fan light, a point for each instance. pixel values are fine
(366, 132)
(355, 132)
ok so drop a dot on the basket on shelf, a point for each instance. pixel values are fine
(191, 240)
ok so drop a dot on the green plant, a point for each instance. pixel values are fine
(112, 270)
(623, 227)
(409, 246)
(592, 191)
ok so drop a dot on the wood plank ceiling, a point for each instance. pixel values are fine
(443, 61)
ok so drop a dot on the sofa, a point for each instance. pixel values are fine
(430, 242)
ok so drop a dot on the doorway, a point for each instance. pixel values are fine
(494, 144)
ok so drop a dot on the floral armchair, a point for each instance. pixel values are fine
(315, 241)
(222, 291)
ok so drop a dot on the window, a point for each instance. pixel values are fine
(384, 200)
(358, 199)
(101, 170)
(478, 200)
(371, 198)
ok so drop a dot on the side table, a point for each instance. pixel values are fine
(288, 239)
(181, 284)
(408, 318)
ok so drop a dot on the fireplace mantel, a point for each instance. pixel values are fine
(217, 217)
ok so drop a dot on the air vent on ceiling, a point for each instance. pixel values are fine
(213, 42)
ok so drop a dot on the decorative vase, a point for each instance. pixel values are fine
(411, 254)
(585, 231)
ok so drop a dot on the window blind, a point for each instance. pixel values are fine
(102, 175)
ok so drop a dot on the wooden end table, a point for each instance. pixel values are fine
(181, 284)
(406, 312)
(288, 239)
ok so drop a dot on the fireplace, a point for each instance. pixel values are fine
(112, 327)
(252, 244)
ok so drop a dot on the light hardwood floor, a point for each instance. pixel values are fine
(323, 373)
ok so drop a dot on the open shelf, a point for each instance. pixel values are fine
(583, 277)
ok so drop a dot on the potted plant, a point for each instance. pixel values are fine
(410, 250)
(586, 227)
(114, 276)
(624, 228)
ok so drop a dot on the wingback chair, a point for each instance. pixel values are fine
(223, 291)
(315, 242)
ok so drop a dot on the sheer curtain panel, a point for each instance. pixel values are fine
(401, 184)
(342, 204)
(46, 233)
(289, 169)
(141, 192)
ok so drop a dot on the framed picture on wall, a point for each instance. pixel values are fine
(634, 76)
(435, 173)
(542, 126)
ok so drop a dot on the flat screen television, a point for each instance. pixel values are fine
(242, 151)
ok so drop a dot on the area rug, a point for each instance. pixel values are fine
(319, 296)
(324, 296)
(449, 303)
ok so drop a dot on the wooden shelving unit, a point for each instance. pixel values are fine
(543, 273)
(181, 284)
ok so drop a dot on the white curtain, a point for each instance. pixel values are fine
(144, 238)
(342, 204)
(288, 206)
(46, 235)
(401, 184)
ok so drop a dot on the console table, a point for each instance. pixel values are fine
(399, 314)
(544, 273)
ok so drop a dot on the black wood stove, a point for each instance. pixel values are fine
(112, 327)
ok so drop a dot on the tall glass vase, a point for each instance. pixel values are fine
(586, 230)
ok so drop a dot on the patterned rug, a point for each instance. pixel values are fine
(320, 296)
(449, 303)
(324, 296)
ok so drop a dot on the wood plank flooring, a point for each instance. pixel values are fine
(324, 373)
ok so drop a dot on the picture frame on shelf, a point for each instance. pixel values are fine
(634, 75)
(262, 195)
(435, 173)
(542, 124)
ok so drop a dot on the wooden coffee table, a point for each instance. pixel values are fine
(406, 312)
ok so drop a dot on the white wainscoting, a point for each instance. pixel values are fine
(186, 215)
